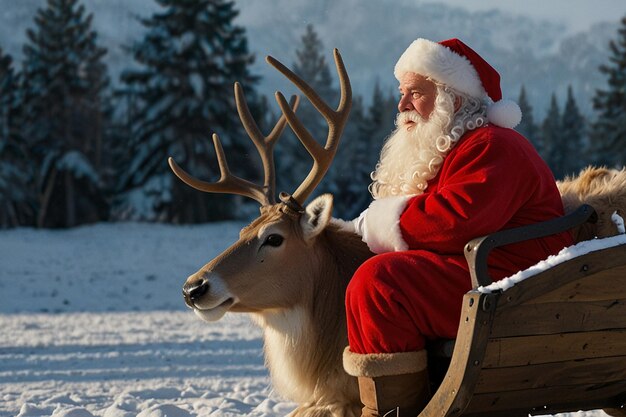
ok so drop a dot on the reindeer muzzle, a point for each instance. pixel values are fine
(194, 289)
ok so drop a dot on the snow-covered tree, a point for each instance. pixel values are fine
(527, 126)
(182, 90)
(16, 194)
(552, 138)
(573, 136)
(65, 114)
(608, 133)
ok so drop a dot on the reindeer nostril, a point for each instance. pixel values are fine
(195, 289)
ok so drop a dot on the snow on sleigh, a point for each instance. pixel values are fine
(549, 343)
(553, 342)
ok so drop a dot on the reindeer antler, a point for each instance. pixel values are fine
(322, 156)
(230, 184)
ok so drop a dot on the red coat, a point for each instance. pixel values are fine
(492, 180)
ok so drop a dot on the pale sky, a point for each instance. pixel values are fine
(576, 14)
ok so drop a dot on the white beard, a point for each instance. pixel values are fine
(412, 157)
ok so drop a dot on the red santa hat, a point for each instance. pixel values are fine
(455, 64)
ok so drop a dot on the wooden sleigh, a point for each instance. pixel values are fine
(554, 342)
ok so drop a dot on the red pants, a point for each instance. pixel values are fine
(398, 300)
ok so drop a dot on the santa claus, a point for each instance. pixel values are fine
(454, 169)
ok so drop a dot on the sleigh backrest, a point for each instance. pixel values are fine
(553, 342)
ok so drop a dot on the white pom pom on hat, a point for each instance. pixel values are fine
(505, 113)
(455, 64)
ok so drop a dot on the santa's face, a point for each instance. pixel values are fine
(417, 93)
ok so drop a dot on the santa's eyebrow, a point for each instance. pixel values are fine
(412, 88)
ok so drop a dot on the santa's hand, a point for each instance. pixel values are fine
(379, 225)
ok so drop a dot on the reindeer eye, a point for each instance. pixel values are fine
(274, 240)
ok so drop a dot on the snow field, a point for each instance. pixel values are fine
(92, 323)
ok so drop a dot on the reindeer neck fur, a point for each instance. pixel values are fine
(304, 344)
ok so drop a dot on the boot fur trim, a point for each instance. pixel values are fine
(374, 365)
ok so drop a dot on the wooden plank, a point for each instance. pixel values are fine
(530, 350)
(559, 317)
(609, 284)
(501, 413)
(554, 399)
(559, 275)
(457, 387)
(542, 411)
(615, 412)
(523, 412)
(579, 372)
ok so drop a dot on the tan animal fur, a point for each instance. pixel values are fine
(295, 292)
(291, 266)
(602, 188)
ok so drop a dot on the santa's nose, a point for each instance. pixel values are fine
(405, 104)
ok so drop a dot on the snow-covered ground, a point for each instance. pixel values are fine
(92, 323)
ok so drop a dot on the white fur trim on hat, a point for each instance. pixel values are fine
(504, 113)
(374, 365)
(440, 63)
(381, 229)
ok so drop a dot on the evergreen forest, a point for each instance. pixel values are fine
(77, 148)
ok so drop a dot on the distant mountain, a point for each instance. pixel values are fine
(371, 35)
(526, 51)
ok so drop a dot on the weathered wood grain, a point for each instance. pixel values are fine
(599, 262)
(559, 317)
(556, 374)
(530, 350)
(556, 399)
(457, 387)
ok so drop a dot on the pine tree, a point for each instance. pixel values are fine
(347, 186)
(527, 126)
(16, 194)
(365, 135)
(608, 133)
(188, 61)
(552, 138)
(311, 65)
(573, 134)
(381, 117)
(65, 114)
(293, 161)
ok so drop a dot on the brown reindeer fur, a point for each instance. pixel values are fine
(304, 345)
(296, 293)
(340, 255)
(602, 188)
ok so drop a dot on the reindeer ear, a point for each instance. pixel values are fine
(316, 216)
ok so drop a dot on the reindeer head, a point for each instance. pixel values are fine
(270, 265)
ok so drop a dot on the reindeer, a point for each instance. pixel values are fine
(291, 266)
(602, 188)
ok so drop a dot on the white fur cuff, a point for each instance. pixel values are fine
(382, 231)
(374, 365)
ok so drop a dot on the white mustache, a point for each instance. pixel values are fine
(408, 116)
